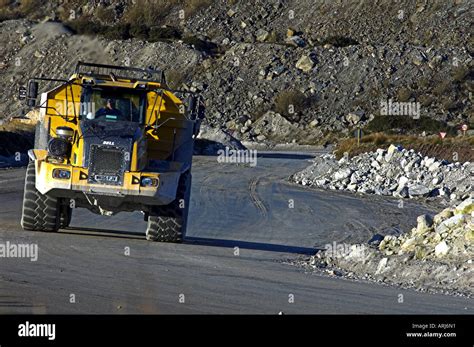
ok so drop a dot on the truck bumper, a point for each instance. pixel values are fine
(131, 190)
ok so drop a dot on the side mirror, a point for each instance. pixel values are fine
(22, 92)
(32, 93)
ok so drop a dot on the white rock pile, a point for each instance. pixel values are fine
(449, 234)
(210, 140)
(394, 172)
(435, 256)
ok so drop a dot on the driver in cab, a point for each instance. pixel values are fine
(109, 110)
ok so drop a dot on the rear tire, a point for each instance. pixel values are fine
(40, 212)
(169, 223)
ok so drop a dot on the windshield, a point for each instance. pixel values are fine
(113, 104)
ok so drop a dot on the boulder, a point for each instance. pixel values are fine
(465, 207)
(408, 245)
(418, 190)
(295, 41)
(342, 174)
(402, 193)
(423, 224)
(443, 215)
(450, 223)
(441, 249)
(262, 35)
(381, 266)
(305, 63)
(353, 118)
(402, 181)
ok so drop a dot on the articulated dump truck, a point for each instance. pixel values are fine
(111, 139)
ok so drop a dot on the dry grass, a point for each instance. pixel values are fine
(105, 15)
(408, 125)
(148, 12)
(31, 7)
(193, 6)
(429, 145)
(153, 12)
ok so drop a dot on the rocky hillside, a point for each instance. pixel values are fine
(323, 66)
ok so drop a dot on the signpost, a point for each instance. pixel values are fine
(464, 128)
(358, 133)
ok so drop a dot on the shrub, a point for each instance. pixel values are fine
(148, 12)
(461, 73)
(424, 83)
(404, 94)
(291, 103)
(193, 6)
(163, 33)
(105, 15)
(425, 100)
(380, 139)
(5, 14)
(32, 8)
(339, 41)
(448, 104)
(258, 112)
(85, 26)
(442, 88)
(117, 32)
(175, 78)
(201, 45)
(139, 31)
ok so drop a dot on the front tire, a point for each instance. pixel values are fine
(40, 212)
(170, 221)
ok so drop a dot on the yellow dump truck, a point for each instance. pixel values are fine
(111, 139)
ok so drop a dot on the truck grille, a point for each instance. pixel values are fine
(106, 165)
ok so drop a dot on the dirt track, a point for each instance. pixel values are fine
(232, 206)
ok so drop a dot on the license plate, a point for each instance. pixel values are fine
(106, 178)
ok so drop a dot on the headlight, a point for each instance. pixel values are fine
(61, 174)
(149, 182)
(58, 147)
(65, 133)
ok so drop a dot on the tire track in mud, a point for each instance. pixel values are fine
(256, 198)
